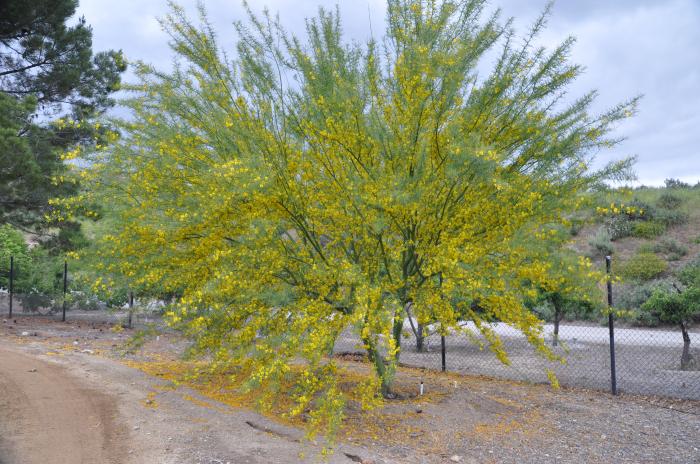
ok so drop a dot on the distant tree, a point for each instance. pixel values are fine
(571, 284)
(676, 184)
(47, 71)
(679, 307)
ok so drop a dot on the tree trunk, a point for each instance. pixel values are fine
(686, 358)
(420, 339)
(384, 367)
(377, 359)
(557, 318)
(416, 328)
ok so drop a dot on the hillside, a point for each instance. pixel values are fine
(650, 232)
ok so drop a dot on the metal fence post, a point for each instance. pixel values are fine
(442, 352)
(611, 327)
(442, 339)
(131, 306)
(12, 283)
(65, 288)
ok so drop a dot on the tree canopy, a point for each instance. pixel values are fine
(47, 71)
(299, 188)
(680, 305)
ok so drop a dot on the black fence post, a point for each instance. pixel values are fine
(611, 327)
(131, 306)
(65, 288)
(12, 283)
(442, 352)
(442, 339)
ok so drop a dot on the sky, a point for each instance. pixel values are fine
(628, 48)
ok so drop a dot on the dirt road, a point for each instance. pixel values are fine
(47, 416)
(72, 406)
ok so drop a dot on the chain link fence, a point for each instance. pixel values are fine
(23, 291)
(647, 360)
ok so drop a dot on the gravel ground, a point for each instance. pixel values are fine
(467, 419)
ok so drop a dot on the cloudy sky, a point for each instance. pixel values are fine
(628, 47)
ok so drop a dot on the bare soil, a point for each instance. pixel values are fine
(42, 405)
(85, 404)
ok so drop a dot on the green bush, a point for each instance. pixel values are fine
(643, 266)
(668, 200)
(12, 244)
(576, 226)
(648, 229)
(670, 217)
(641, 210)
(618, 226)
(631, 297)
(670, 248)
(601, 243)
(646, 248)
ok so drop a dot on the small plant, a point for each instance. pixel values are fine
(646, 248)
(670, 248)
(648, 229)
(668, 200)
(671, 217)
(601, 243)
(643, 266)
(618, 226)
(576, 226)
(639, 209)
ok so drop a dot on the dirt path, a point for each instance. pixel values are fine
(46, 415)
(72, 406)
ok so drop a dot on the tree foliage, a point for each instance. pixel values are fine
(47, 70)
(310, 186)
(679, 306)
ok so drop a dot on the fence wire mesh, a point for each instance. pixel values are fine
(648, 360)
(32, 293)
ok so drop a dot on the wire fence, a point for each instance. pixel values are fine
(647, 360)
(24, 292)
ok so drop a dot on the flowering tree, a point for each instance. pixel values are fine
(308, 187)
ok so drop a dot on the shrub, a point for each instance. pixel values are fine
(576, 226)
(670, 248)
(618, 226)
(640, 210)
(670, 217)
(648, 229)
(668, 200)
(12, 244)
(631, 297)
(643, 266)
(601, 243)
(646, 248)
